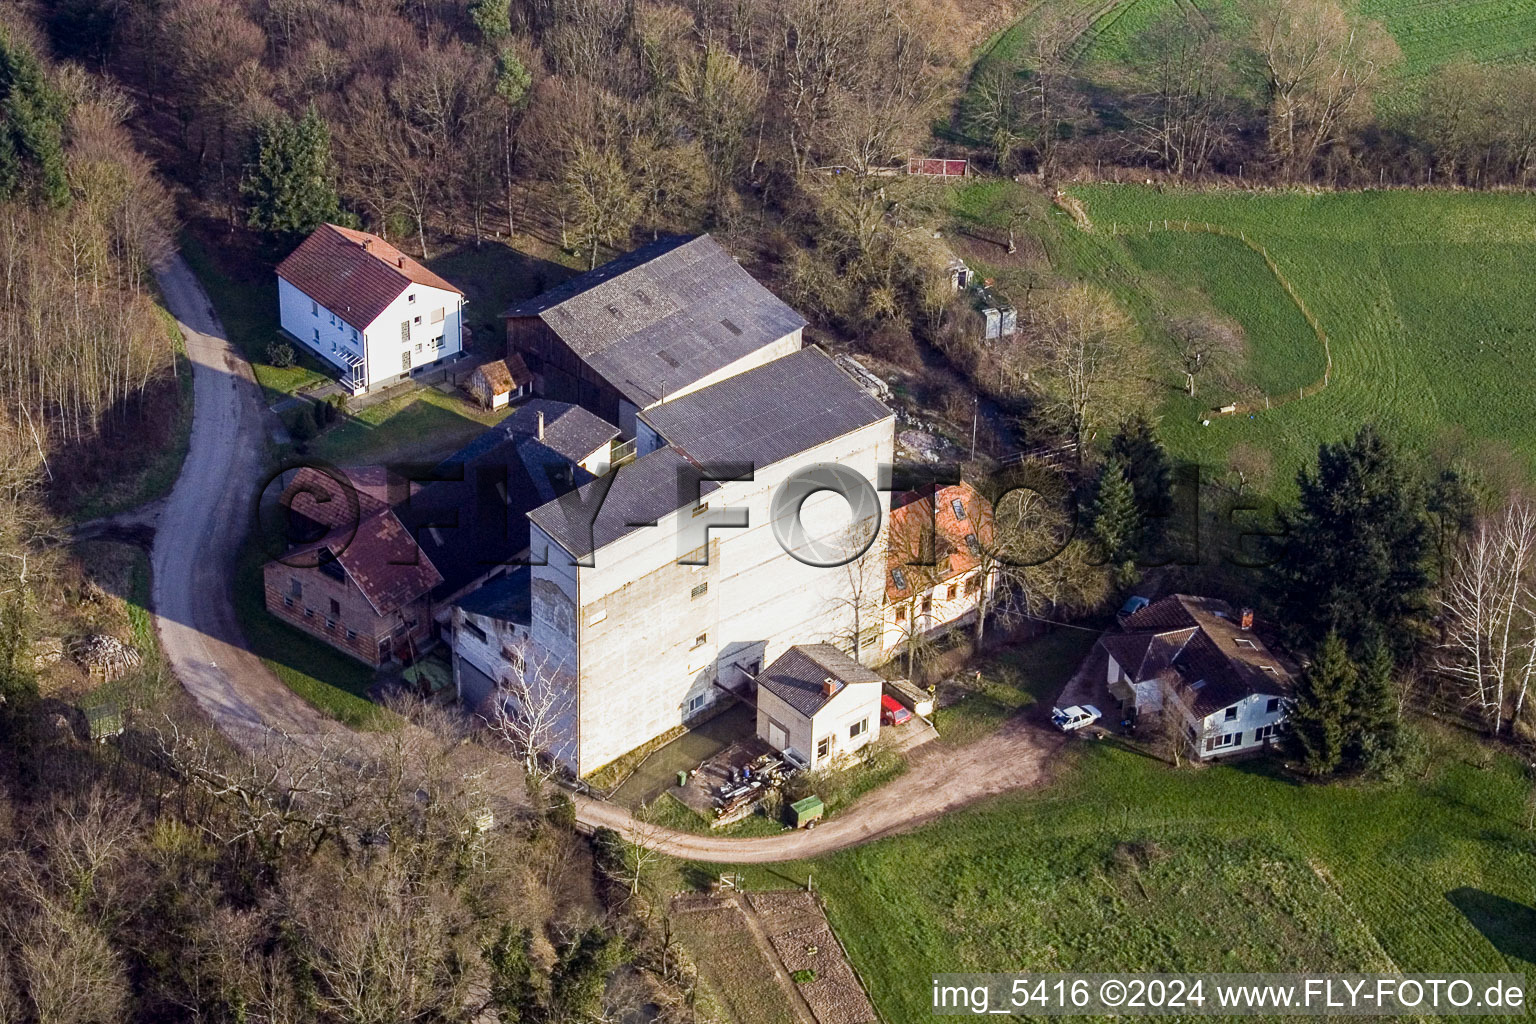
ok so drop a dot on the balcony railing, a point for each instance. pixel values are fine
(619, 454)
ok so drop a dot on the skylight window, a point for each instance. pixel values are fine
(728, 325)
(899, 578)
(958, 507)
(972, 543)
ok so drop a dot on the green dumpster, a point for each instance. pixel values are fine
(804, 812)
(682, 779)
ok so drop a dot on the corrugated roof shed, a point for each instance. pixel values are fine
(663, 317)
(796, 676)
(768, 413)
(353, 274)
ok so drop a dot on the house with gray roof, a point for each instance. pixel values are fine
(1197, 659)
(660, 322)
(818, 704)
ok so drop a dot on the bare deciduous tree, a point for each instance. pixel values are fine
(1488, 607)
(1320, 66)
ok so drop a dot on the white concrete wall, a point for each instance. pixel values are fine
(322, 331)
(855, 702)
(1251, 714)
(638, 660)
(386, 344)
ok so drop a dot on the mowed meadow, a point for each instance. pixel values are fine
(1126, 864)
(1426, 298)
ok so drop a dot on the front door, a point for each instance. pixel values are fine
(776, 738)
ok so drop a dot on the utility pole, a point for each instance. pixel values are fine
(975, 412)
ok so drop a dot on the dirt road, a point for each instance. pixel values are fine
(201, 526)
(940, 780)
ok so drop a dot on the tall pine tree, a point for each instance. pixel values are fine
(1318, 714)
(1373, 709)
(1356, 552)
(32, 116)
(1116, 520)
(290, 188)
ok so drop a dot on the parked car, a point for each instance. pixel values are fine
(1074, 717)
(892, 712)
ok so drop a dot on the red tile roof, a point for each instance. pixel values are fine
(354, 274)
(931, 518)
(378, 554)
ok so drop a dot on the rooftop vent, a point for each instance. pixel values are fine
(730, 326)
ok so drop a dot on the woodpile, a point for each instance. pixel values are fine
(104, 655)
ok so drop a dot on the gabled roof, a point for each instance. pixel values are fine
(354, 274)
(930, 519)
(1214, 660)
(475, 516)
(797, 676)
(502, 376)
(767, 413)
(663, 317)
(569, 431)
(638, 494)
(374, 549)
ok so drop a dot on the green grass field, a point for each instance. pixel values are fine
(1425, 297)
(422, 425)
(1430, 33)
(1127, 864)
(248, 310)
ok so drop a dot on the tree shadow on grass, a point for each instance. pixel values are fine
(1509, 926)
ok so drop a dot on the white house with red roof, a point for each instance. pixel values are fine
(366, 308)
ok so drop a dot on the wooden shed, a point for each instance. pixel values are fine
(500, 381)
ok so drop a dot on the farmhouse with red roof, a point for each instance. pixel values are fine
(367, 309)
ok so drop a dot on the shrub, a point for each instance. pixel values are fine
(281, 355)
(893, 342)
(303, 425)
(804, 976)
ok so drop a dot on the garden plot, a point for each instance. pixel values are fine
(802, 938)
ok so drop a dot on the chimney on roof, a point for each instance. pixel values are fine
(400, 262)
(1245, 619)
(828, 686)
(541, 424)
(367, 244)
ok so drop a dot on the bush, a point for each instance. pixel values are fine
(561, 811)
(1406, 757)
(303, 426)
(893, 343)
(281, 355)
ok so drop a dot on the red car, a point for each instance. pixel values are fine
(892, 712)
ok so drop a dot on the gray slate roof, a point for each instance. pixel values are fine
(637, 495)
(663, 317)
(796, 676)
(569, 430)
(768, 413)
(508, 599)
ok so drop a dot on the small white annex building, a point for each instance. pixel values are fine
(364, 307)
(1192, 657)
(818, 704)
